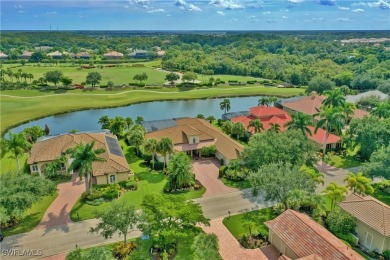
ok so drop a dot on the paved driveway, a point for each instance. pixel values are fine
(206, 171)
(230, 249)
(58, 212)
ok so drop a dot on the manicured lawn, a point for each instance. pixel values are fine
(32, 217)
(342, 161)
(150, 182)
(382, 196)
(26, 105)
(245, 184)
(8, 162)
(236, 224)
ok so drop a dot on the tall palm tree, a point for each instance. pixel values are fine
(117, 125)
(165, 147)
(139, 120)
(335, 98)
(180, 172)
(272, 100)
(227, 127)
(382, 110)
(136, 137)
(17, 144)
(129, 122)
(225, 105)
(105, 121)
(335, 193)
(358, 183)
(349, 110)
(84, 156)
(30, 76)
(151, 146)
(10, 74)
(264, 101)
(300, 121)
(238, 129)
(274, 128)
(211, 119)
(332, 119)
(257, 125)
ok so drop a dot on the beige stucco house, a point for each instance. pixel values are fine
(297, 236)
(191, 134)
(372, 219)
(113, 169)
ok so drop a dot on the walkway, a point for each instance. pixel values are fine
(206, 171)
(58, 212)
(230, 248)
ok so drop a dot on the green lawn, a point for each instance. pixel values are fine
(236, 224)
(8, 162)
(32, 217)
(22, 106)
(382, 196)
(245, 184)
(150, 182)
(344, 162)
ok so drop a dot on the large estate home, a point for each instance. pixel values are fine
(297, 236)
(26, 55)
(191, 134)
(114, 168)
(113, 55)
(274, 115)
(3, 56)
(372, 221)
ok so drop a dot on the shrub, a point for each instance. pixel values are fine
(251, 81)
(347, 238)
(90, 196)
(208, 151)
(158, 166)
(235, 175)
(386, 254)
(340, 222)
(131, 185)
(222, 171)
(146, 157)
(111, 194)
(122, 250)
(96, 202)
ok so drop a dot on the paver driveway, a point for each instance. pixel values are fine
(230, 249)
(58, 213)
(206, 171)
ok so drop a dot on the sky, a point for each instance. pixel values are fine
(195, 15)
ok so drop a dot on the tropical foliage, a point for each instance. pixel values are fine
(16, 144)
(180, 172)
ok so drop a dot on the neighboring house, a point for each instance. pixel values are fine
(160, 53)
(26, 55)
(372, 219)
(43, 48)
(355, 98)
(191, 134)
(311, 105)
(318, 137)
(297, 236)
(3, 56)
(55, 54)
(267, 115)
(139, 54)
(83, 55)
(113, 169)
(113, 55)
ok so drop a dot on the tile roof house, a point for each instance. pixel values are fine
(3, 56)
(113, 55)
(115, 167)
(26, 55)
(372, 219)
(297, 236)
(355, 98)
(191, 134)
(139, 54)
(55, 54)
(83, 55)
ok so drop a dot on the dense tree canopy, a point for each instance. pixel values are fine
(379, 164)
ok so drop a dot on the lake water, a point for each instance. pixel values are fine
(87, 120)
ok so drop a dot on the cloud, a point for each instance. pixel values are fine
(382, 4)
(327, 2)
(156, 11)
(220, 13)
(51, 12)
(183, 5)
(227, 4)
(284, 17)
(343, 8)
(18, 6)
(143, 3)
(315, 20)
(344, 20)
(257, 4)
(268, 12)
(296, 1)
(359, 10)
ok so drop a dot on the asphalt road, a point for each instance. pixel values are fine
(41, 243)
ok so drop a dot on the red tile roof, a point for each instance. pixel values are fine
(360, 113)
(319, 137)
(306, 237)
(264, 111)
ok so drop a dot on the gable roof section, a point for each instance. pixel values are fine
(370, 211)
(264, 111)
(309, 105)
(319, 137)
(306, 237)
(50, 149)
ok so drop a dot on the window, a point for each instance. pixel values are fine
(63, 168)
(368, 241)
(34, 168)
(194, 140)
(112, 178)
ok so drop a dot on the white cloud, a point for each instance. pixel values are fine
(251, 17)
(342, 20)
(227, 4)
(343, 8)
(359, 10)
(18, 6)
(126, 6)
(284, 17)
(220, 13)
(143, 3)
(383, 4)
(268, 12)
(21, 11)
(315, 19)
(51, 12)
(296, 1)
(183, 5)
(359, 4)
(156, 11)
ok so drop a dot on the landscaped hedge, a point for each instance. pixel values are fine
(222, 171)
(208, 151)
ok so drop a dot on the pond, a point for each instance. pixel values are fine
(87, 120)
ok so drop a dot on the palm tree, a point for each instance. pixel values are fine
(180, 172)
(165, 146)
(274, 128)
(10, 74)
(382, 110)
(349, 110)
(335, 193)
(105, 121)
(300, 121)
(30, 76)
(225, 105)
(136, 137)
(238, 129)
(150, 147)
(256, 124)
(227, 127)
(83, 157)
(358, 183)
(117, 125)
(16, 144)
(211, 119)
(264, 101)
(55, 166)
(129, 122)
(273, 100)
(332, 119)
(335, 98)
(139, 120)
